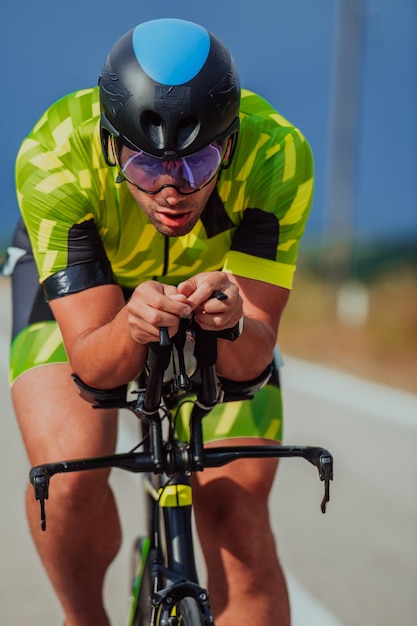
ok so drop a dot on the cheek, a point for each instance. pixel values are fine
(139, 197)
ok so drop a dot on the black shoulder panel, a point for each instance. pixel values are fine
(84, 243)
(257, 234)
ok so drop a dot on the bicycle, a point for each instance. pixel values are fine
(165, 587)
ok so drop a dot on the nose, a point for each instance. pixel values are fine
(171, 195)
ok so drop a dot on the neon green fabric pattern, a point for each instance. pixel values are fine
(37, 344)
(63, 180)
(259, 417)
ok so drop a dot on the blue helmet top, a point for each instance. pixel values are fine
(189, 47)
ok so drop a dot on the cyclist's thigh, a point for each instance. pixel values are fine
(260, 417)
(55, 422)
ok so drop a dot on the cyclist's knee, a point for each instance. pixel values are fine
(225, 503)
(237, 521)
(83, 488)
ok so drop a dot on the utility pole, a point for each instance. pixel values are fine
(353, 297)
(343, 139)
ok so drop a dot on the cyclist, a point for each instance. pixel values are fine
(140, 197)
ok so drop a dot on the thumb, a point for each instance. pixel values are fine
(188, 287)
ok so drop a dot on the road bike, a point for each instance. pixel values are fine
(165, 589)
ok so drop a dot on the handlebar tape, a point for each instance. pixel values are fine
(205, 346)
(159, 356)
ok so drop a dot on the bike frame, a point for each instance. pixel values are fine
(168, 464)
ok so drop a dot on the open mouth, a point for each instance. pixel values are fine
(174, 219)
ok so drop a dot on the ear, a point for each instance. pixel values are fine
(230, 150)
(107, 147)
(227, 154)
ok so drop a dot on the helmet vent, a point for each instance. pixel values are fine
(154, 128)
(187, 131)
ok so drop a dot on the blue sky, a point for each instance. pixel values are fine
(285, 50)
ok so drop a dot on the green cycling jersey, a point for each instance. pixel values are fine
(86, 229)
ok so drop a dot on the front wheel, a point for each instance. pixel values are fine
(140, 608)
(189, 613)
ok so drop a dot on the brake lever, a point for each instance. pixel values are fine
(39, 478)
(323, 460)
(326, 475)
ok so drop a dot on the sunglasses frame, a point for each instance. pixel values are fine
(110, 137)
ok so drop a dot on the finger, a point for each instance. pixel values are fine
(179, 297)
(222, 302)
(200, 288)
(148, 301)
(141, 331)
(212, 321)
(145, 332)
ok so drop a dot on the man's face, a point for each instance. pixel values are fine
(171, 213)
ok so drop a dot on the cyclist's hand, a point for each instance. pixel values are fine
(212, 313)
(153, 305)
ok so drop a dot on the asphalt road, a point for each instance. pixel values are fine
(356, 565)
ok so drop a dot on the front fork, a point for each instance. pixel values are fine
(173, 570)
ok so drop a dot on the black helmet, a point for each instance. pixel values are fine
(169, 87)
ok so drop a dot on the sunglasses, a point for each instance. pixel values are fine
(186, 174)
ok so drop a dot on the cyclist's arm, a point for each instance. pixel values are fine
(105, 339)
(247, 357)
(259, 302)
